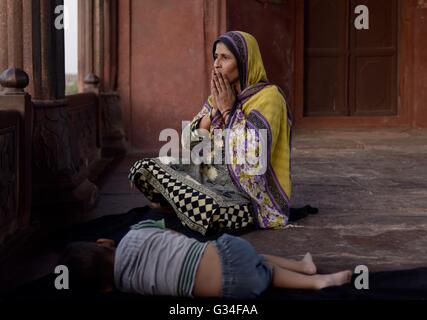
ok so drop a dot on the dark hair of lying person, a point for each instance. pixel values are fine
(90, 267)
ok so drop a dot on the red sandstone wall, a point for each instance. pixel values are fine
(166, 65)
(164, 49)
(273, 25)
(123, 68)
(163, 60)
(420, 63)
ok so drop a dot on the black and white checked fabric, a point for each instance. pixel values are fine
(146, 188)
(196, 209)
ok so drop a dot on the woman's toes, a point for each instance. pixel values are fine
(337, 279)
(343, 277)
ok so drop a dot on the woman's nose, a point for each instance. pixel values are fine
(217, 69)
(217, 65)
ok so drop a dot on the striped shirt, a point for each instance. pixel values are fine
(154, 261)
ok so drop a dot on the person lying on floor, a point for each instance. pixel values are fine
(153, 260)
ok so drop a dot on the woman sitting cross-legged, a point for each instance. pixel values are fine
(245, 115)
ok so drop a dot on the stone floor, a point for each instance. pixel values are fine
(370, 187)
(371, 190)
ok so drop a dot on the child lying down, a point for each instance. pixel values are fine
(152, 260)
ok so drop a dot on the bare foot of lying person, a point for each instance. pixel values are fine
(334, 279)
(157, 205)
(308, 265)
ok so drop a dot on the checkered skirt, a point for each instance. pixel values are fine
(198, 207)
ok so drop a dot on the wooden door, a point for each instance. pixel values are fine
(350, 72)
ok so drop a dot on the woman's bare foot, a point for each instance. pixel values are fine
(308, 265)
(333, 279)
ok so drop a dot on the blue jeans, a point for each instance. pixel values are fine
(244, 273)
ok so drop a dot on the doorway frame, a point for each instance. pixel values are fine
(405, 114)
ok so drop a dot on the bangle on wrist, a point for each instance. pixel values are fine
(225, 115)
(225, 112)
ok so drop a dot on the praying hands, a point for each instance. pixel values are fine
(223, 95)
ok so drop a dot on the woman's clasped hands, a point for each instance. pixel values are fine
(223, 95)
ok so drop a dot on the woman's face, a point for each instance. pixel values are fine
(226, 63)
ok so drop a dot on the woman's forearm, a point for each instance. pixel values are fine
(205, 122)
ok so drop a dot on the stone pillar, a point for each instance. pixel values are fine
(16, 186)
(31, 39)
(11, 34)
(51, 52)
(28, 42)
(85, 41)
(60, 179)
(98, 51)
(32, 45)
(3, 37)
(91, 84)
(14, 33)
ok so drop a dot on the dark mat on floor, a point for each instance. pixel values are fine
(404, 284)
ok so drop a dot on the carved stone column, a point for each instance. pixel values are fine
(30, 41)
(27, 44)
(3, 37)
(60, 177)
(30, 38)
(98, 53)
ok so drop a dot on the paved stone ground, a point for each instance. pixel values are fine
(370, 187)
(371, 190)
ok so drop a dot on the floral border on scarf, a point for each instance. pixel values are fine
(256, 186)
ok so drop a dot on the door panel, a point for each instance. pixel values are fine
(326, 58)
(373, 90)
(324, 78)
(326, 24)
(373, 61)
(349, 71)
(382, 22)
